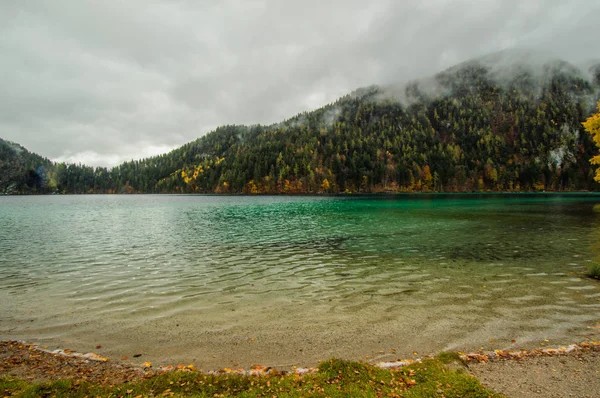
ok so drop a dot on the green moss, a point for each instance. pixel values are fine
(334, 378)
(448, 357)
(435, 379)
(594, 271)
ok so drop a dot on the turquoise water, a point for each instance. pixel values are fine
(291, 280)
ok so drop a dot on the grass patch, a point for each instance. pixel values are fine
(594, 271)
(334, 378)
(449, 357)
(11, 386)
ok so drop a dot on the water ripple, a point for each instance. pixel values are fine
(83, 265)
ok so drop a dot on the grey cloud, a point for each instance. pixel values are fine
(109, 81)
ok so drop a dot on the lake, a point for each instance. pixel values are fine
(222, 281)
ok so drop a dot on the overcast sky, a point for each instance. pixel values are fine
(100, 82)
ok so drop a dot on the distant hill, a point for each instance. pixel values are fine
(22, 171)
(499, 123)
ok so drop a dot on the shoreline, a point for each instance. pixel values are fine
(326, 194)
(479, 357)
(547, 372)
(305, 353)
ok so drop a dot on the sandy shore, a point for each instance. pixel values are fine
(576, 374)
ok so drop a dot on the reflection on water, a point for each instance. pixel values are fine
(194, 276)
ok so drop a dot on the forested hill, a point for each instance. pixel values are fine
(473, 127)
(21, 170)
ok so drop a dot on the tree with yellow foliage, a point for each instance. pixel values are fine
(592, 125)
(427, 177)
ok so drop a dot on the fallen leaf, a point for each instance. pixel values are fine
(98, 347)
(137, 355)
(147, 364)
(124, 358)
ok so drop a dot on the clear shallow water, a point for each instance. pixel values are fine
(290, 280)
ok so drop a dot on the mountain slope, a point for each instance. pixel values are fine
(22, 171)
(468, 128)
(481, 125)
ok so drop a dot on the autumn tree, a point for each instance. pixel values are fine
(592, 125)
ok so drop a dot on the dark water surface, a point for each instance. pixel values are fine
(291, 280)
